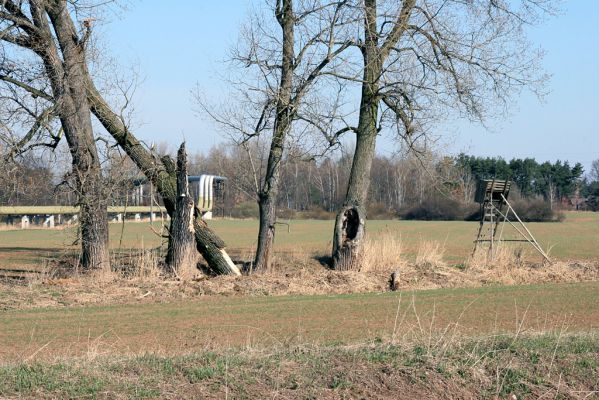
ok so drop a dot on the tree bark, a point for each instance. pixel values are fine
(182, 254)
(68, 86)
(267, 197)
(350, 222)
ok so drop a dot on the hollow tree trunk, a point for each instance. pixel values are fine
(267, 197)
(182, 254)
(350, 223)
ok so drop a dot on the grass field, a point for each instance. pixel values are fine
(498, 367)
(216, 322)
(489, 341)
(493, 342)
(576, 238)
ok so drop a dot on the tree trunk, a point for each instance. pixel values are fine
(350, 223)
(93, 221)
(350, 228)
(182, 254)
(267, 197)
(69, 89)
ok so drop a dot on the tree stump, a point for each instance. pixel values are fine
(394, 281)
(182, 254)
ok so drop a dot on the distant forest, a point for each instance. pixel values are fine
(406, 185)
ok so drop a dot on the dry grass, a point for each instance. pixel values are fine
(383, 252)
(505, 367)
(430, 254)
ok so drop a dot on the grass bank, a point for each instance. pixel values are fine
(548, 366)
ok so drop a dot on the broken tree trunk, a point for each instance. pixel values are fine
(182, 254)
(210, 246)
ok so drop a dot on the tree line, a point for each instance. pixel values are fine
(312, 188)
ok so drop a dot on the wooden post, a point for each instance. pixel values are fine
(394, 281)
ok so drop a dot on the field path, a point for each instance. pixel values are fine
(223, 322)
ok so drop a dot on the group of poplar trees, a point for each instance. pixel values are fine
(310, 71)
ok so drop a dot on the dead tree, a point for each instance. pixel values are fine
(44, 29)
(182, 254)
(419, 60)
(162, 173)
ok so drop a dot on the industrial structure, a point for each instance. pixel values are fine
(145, 204)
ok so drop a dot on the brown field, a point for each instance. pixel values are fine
(246, 322)
(514, 327)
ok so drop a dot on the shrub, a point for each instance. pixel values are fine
(286, 213)
(316, 212)
(435, 209)
(534, 210)
(380, 211)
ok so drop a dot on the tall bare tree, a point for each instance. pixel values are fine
(288, 62)
(594, 173)
(420, 60)
(42, 34)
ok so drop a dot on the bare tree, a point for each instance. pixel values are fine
(420, 60)
(288, 61)
(50, 84)
(594, 174)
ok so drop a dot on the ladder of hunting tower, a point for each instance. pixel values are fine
(495, 211)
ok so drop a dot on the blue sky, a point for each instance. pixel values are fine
(183, 44)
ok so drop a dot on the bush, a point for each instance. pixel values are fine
(534, 210)
(286, 213)
(379, 211)
(315, 212)
(435, 209)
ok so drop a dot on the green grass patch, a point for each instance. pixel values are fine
(474, 368)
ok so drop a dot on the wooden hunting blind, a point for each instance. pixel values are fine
(495, 211)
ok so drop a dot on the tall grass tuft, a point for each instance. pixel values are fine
(382, 252)
(430, 254)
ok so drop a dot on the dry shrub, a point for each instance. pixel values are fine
(382, 252)
(508, 267)
(430, 254)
